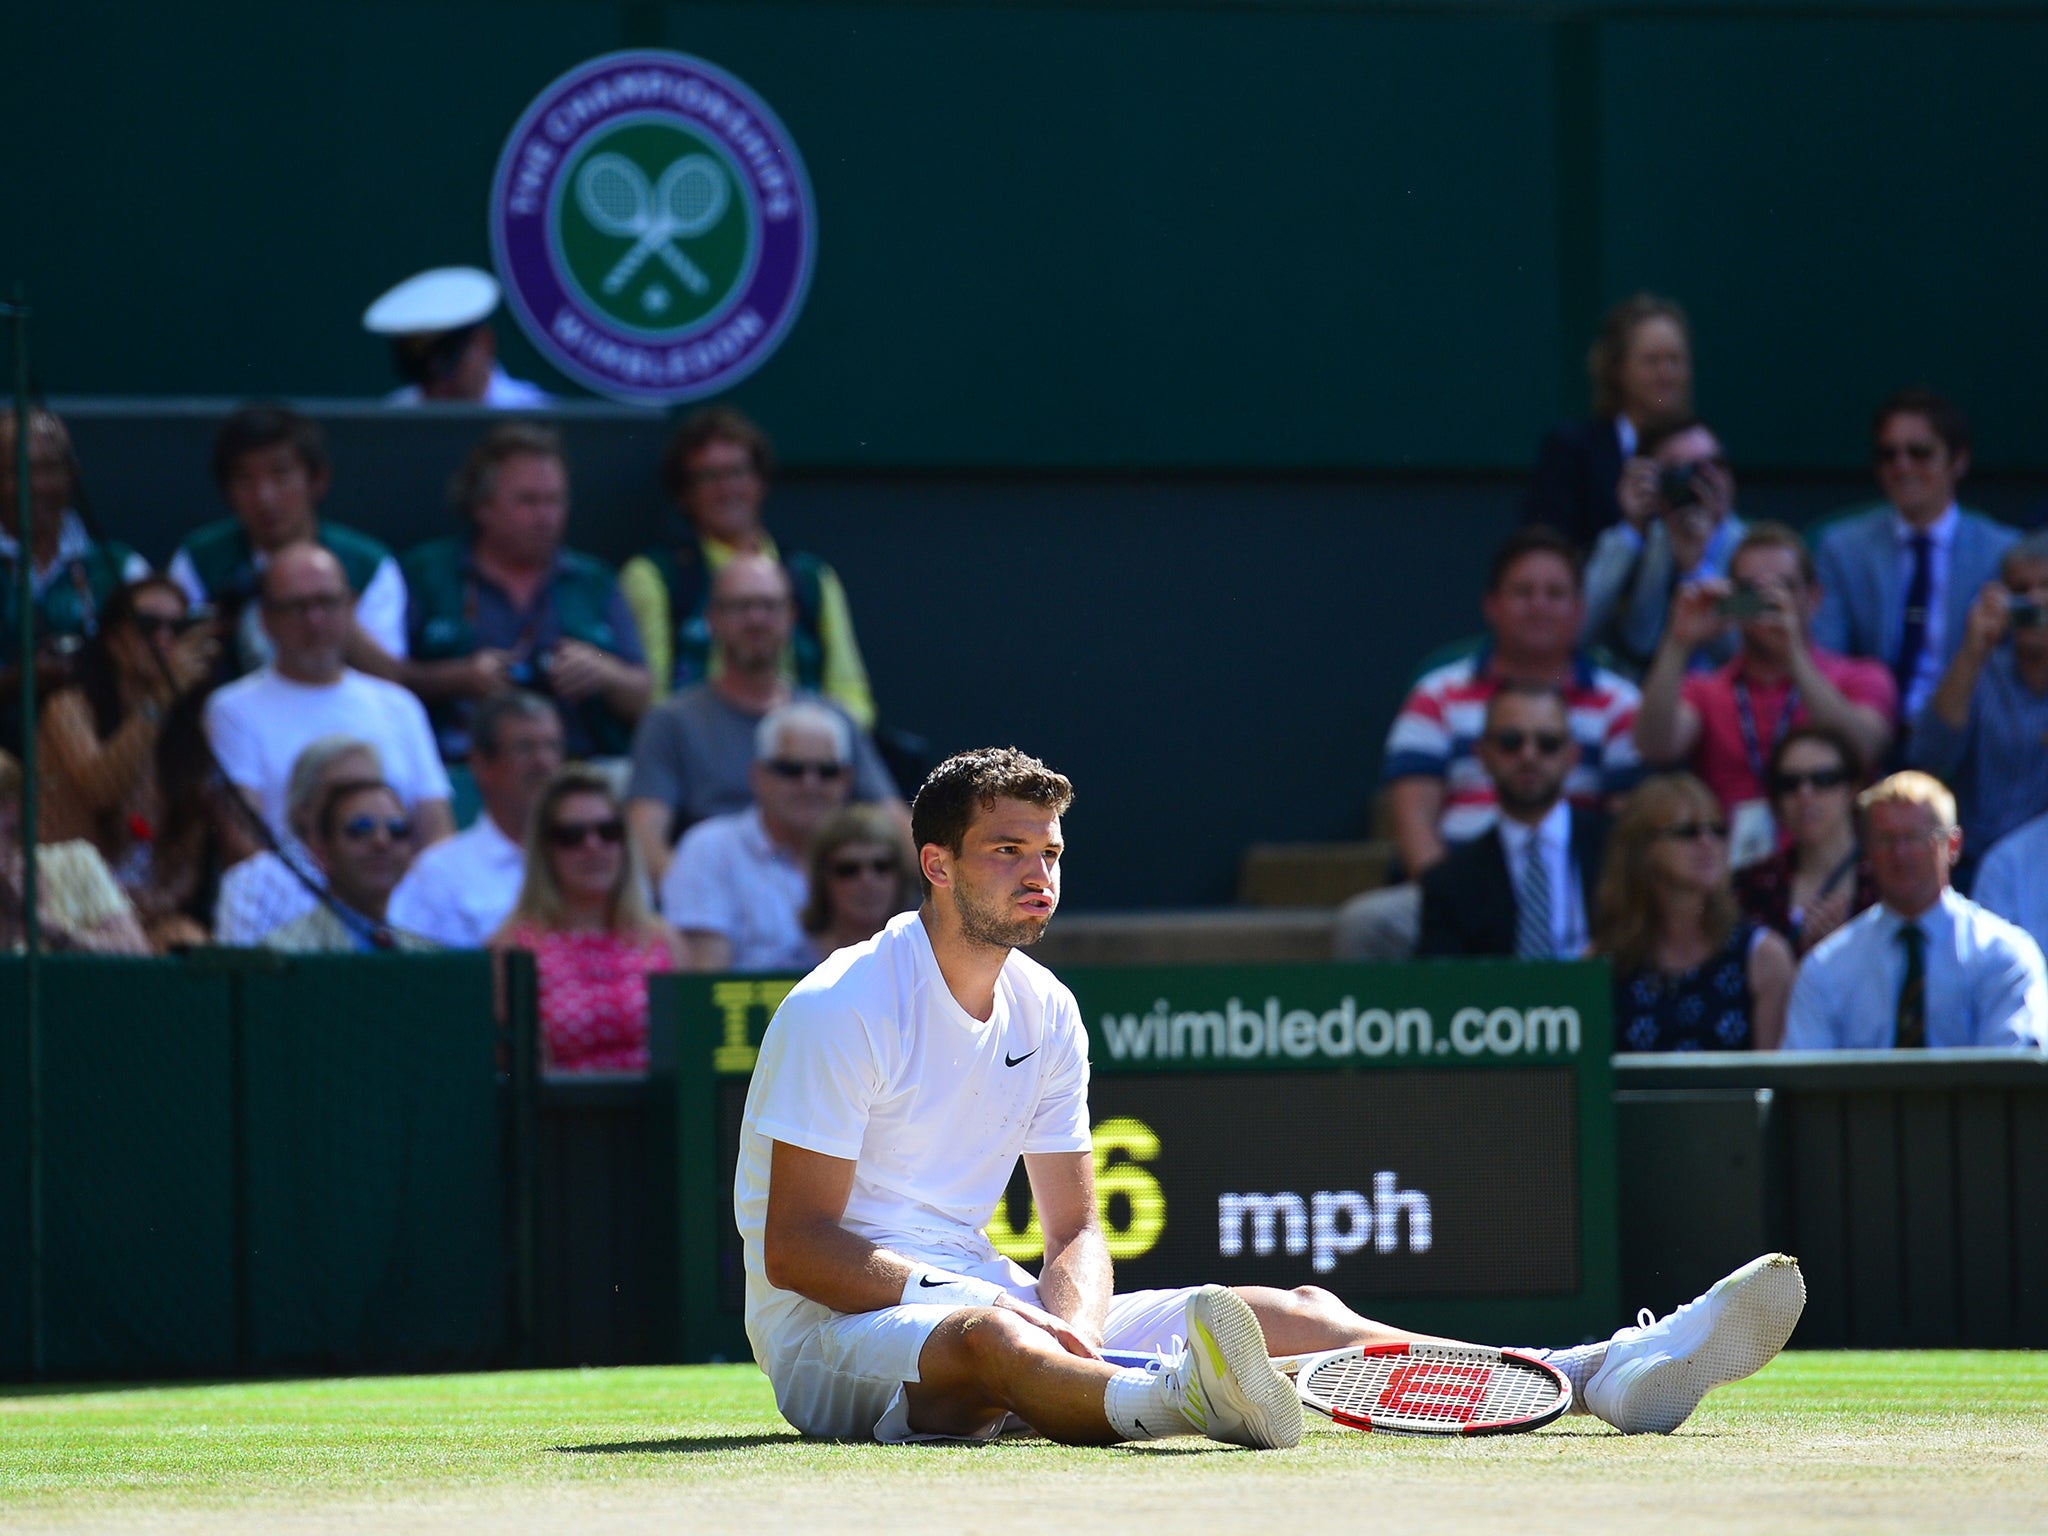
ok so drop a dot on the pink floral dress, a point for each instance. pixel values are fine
(593, 995)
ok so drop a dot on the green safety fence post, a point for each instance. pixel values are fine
(31, 923)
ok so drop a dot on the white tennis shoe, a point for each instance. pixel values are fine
(1224, 1385)
(1656, 1373)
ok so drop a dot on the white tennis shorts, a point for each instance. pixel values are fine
(845, 1378)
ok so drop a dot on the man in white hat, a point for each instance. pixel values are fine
(443, 344)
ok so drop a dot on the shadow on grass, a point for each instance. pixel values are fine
(686, 1445)
(697, 1445)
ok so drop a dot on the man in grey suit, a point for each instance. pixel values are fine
(1897, 580)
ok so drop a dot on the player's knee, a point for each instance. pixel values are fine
(994, 1339)
(1313, 1298)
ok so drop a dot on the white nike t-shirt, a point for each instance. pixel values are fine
(871, 1058)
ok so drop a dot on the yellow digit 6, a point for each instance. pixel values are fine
(1145, 1219)
(1133, 1181)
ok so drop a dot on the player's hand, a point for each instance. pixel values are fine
(576, 670)
(1070, 1340)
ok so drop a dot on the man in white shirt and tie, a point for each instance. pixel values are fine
(1524, 887)
(459, 891)
(1926, 966)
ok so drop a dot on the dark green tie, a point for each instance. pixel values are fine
(1911, 1033)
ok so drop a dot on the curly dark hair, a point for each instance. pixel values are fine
(969, 783)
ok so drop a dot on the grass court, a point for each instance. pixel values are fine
(1867, 1442)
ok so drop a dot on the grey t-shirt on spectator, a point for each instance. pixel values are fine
(692, 754)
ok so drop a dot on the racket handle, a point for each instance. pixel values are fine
(631, 262)
(692, 275)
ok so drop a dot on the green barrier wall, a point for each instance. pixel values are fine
(1248, 1120)
(1065, 234)
(298, 1166)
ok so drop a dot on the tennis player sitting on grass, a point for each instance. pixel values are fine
(897, 1087)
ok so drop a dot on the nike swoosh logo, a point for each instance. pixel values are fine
(1139, 1425)
(927, 1280)
(1011, 1061)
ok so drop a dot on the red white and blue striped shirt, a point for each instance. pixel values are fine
(1444, 716)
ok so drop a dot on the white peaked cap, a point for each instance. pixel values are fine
(441, 299)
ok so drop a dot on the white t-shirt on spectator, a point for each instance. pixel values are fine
(460, 890)
(872, 1058)
(259, 724)
(731, 878)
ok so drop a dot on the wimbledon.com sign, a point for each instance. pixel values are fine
(1327, 1015)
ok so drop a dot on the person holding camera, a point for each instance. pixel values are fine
(509, 605)
(1725, 724)
(1985, 727)
(1678, 525)
(105, 736)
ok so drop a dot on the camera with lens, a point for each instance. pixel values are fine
(532, 673)
(2026, 613)
(1678, 485)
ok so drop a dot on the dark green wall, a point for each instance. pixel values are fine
(1172, 235)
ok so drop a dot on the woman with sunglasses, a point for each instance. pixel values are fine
(130, 706)
(582, 912)
(1817, 881)
(862, 874)
(1690, 972)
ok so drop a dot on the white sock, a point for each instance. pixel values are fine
(1139, 1405)
(1578, 1364)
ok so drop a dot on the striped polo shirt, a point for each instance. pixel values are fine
(1444, 716)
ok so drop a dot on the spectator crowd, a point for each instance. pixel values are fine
(1794, 788)
(295, 737)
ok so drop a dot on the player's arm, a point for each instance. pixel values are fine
(806, 1250)
(1075, 1283)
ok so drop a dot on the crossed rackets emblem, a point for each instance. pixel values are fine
(686, 202)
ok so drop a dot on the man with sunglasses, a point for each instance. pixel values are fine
(1985, 730)
(1725, 724)
(363, 840)
(1521, 888)
(1897, 579)
(737, 886)
(1925, 967)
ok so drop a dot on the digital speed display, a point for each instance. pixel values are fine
(1436, 1138)
(1409, 1184)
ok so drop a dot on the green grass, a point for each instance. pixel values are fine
(1825, 1441)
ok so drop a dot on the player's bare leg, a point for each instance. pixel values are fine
(982, 1363)
(1309, 1318)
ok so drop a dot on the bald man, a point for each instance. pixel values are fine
(259, 724)
(692, 756)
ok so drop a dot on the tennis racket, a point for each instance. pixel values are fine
(688, 201)
(1433, 1389)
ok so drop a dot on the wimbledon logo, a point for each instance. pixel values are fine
(653, 226)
